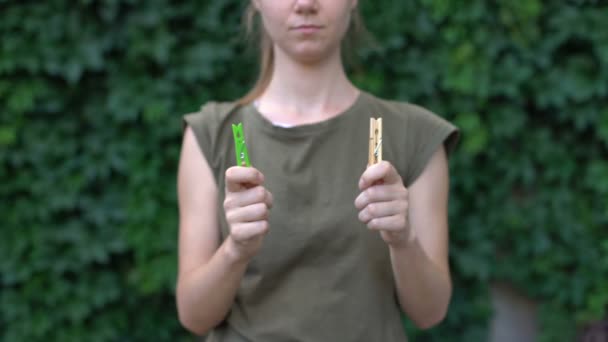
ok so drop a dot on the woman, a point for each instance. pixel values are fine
(309, 244)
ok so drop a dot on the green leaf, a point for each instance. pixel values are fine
(475, 135)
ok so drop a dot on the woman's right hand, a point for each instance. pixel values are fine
(247, 206)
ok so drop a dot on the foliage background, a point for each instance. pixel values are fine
(91, 95)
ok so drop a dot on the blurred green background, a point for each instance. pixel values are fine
(91, 98)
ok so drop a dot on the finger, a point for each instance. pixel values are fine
(246, 197)
(247, 231)
(238, 176)
(381, 209)
(250, 213)
(380, 193)
(381, 172)
(393, 223)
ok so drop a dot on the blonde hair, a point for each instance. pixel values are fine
(255, 33)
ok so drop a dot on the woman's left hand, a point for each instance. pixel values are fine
(383, 204)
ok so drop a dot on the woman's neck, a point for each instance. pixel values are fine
(304, 93)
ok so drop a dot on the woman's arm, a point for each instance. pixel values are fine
(209, 273)
(207, 276)
(421, 267)
(414, 224)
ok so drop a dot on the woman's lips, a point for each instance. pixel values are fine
(307, 29)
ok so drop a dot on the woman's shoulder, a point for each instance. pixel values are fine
(211, 112)
(417, 128)
(211, 128)
(404, 110)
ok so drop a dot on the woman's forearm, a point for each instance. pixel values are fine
(205, 295)
(423, 288)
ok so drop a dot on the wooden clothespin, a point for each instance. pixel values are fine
(375, 141)
(242, 157)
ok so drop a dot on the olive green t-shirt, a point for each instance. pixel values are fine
(320, 275)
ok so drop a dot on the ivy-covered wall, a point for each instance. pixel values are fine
(91, 97)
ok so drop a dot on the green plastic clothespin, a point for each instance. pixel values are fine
(242, 157)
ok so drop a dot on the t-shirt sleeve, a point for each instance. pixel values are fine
(203, 125)
(428, 132)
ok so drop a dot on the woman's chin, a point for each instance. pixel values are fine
(311, 55)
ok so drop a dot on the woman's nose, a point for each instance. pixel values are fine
(306, 6)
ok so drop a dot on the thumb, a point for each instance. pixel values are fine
(239, 178)
(383, 172)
